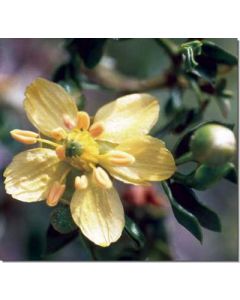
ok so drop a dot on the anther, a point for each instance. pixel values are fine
(68, 122)
(120, 158)
(24, 136)
(96, 129)
(83, 120)
(81, 182)
(60, 151)
(55, 193)
(101, 177)
(58, 134)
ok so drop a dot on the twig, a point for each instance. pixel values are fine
(114, 80)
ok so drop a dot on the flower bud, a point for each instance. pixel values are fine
(213, 145)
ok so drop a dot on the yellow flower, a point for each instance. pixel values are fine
(115, 143)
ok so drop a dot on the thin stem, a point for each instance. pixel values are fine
(184, 158)
(47, 142)
(112, 79)
(179, 177)
(64, 175)
(169, 46)
(166, 189)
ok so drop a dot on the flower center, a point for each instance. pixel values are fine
(81, 149)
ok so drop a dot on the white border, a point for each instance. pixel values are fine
(185, 18)
(107, 18)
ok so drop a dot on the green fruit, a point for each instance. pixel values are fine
(213, 145)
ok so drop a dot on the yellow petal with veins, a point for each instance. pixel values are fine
(31, 173)
(46, 103)
(99, 214)
(127, 117)
(153, 161)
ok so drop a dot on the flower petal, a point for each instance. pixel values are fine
(31, 173)
(99, 214)
(153, 161)
(46, 103)
(128, 116)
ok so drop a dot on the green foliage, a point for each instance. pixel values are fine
(90, 50)
(218, 54)
(204, 176)
(183, 216)
(174, 103)
(188, 199)
(202, 58)
(56, 241)
(232, 174)
(189, 51)
(61, 219)
(134, 232)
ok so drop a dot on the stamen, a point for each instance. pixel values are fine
(50, 143)
(83, 120)
(59, 134)
(24, 136)
(81, 183)
(68, 122)
(60, 151)
(55, 193)
(101, 177)
(119, 158)
(96, 129)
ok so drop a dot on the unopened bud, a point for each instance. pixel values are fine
(24, 136)
(213, 145)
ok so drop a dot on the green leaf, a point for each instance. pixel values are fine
(69, 73)
(90, 50)
(174, 103)
(56, 241)
(134, 232)
(61, 219)
(180, 122)
(188, 199)
(185, 218)
(204, 176)
(218, 54)
(206, 68)
(232, 173)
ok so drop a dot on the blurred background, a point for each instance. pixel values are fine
(23, 226)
